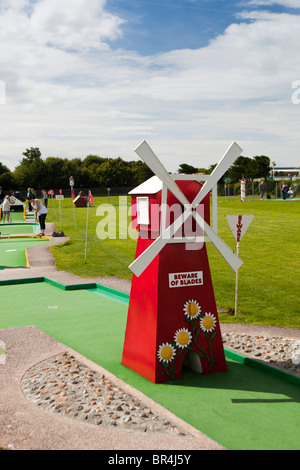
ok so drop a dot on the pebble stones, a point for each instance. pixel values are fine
(64, 385)
(281, 353)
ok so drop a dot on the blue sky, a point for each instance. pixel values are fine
(188, 76)
(163, 25)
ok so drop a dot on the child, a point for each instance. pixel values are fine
(6, 209)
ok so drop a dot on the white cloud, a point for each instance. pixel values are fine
(74, 24)
(284, 3)
(71, 24)
(70, 94)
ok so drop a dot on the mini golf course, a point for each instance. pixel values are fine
(15, 238)
(250, 407)
(13, 251)
(19, 228)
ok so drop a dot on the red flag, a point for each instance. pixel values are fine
(91, 199)
(51, 192)
(60, 191)
(73, 194)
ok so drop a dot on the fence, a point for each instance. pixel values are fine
(271, 189)
(96, 192)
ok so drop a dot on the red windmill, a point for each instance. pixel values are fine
(172, 315)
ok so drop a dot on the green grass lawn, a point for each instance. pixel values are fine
(269, 281)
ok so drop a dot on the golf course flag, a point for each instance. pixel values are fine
(90, 198)
(51, 194)
(238, 224)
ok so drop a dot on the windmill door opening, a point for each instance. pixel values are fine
(192, 361)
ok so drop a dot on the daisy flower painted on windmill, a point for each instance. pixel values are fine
(182, 338)
(208, 322)
(192, 309)
(166, 352)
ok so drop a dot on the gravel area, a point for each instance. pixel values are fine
(64, 385)
(282, 353)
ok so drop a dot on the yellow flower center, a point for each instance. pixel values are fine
(208, 322)
(192, 309)
(183, 337)
(166, 353)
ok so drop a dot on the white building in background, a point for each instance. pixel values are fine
(292, 173)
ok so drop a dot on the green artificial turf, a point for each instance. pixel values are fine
(243, 408)
(18, 228)
(13, 251)
(16, 216)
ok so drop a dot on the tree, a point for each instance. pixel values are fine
(55, 177)
(73, 168)
(187, 169)
(211, 168)
(93, 175)
(92, 159)
(3, 169)
(242, 168)
(140, 172)
(31, 155)
(31, 170)
(249, 168)
(261, 166)
(115, 172)
(6, 177)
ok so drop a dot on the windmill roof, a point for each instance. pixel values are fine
(16, 202)
(150, 186)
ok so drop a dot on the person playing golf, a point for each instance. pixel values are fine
(40, 211)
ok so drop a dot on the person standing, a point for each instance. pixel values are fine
(284, 190)
(45, 198)
(40, 212)
(6, 209)
(262, 190)
(29, 194)
(2, 195)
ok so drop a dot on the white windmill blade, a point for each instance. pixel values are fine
(148, 156)
(141, 263)
(232, 259)
(151, 160)
(233, 152)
